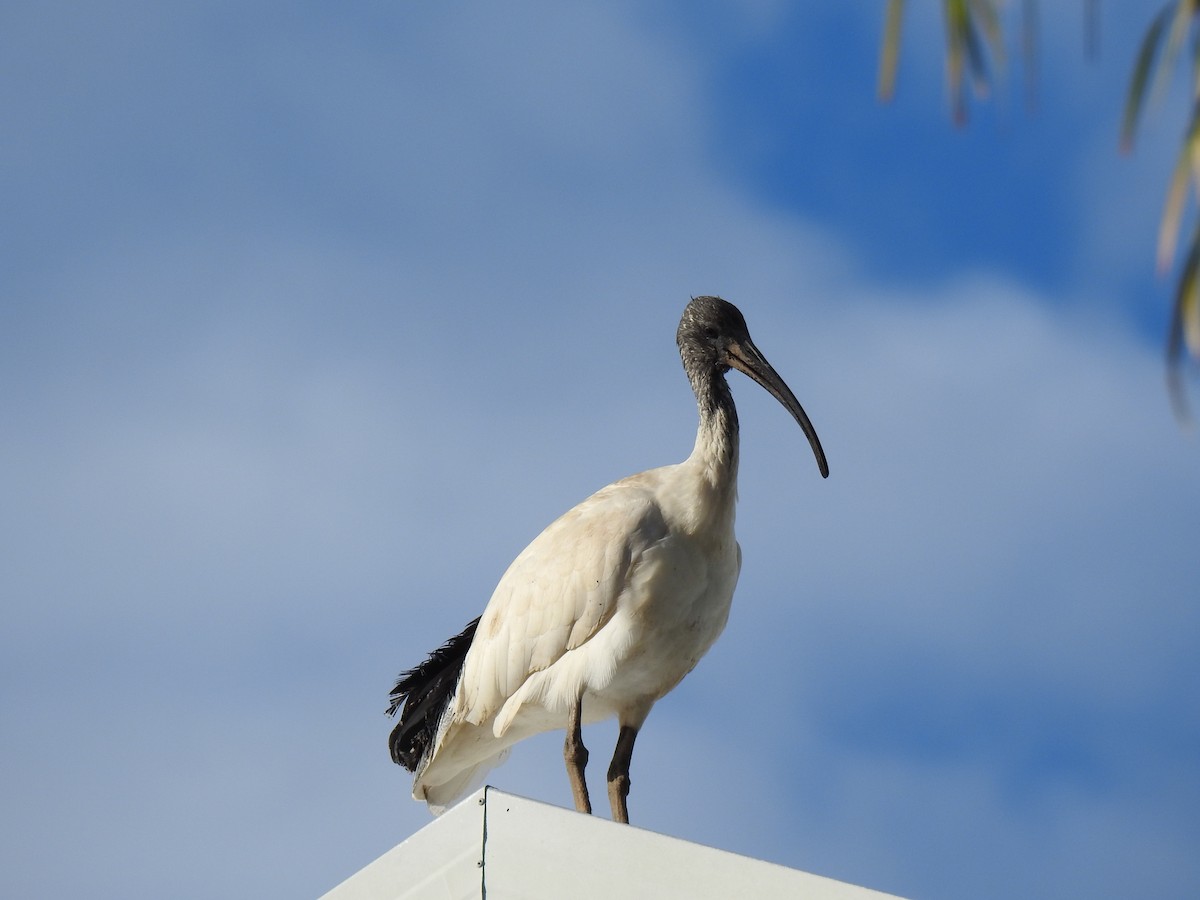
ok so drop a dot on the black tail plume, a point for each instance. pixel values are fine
(425, 692)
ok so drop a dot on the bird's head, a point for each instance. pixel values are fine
(713, 338)
(709, 329)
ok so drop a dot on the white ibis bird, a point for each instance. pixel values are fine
(609, 607)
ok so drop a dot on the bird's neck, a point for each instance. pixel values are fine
(716, 451)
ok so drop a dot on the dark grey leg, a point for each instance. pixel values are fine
(618, 774)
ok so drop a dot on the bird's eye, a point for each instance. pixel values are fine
(711, 332)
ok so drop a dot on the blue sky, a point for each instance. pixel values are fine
(315, 315)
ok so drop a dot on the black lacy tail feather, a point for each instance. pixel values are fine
(425, 692)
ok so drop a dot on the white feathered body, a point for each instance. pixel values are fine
(616, 601)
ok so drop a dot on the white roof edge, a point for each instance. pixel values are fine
(509, 846)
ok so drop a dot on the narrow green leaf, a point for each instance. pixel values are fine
(1187, 170)
(1141, 77)
(889, 56)
(1180, 26)
(975, 59)
(1189, 315)
(987, 18)
(955, 18)
(1185, 328)
(1196, 64)
(1168, 229)
(1187, 306)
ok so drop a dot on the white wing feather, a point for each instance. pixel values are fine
(557, 594)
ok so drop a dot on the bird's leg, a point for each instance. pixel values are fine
(618, 774)
(576, 756)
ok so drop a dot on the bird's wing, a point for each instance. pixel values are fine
(558, 592)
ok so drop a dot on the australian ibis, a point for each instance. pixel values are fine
(609, 607)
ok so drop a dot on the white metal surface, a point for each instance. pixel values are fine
(505, 847)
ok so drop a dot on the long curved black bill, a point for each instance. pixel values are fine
(747, 358)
